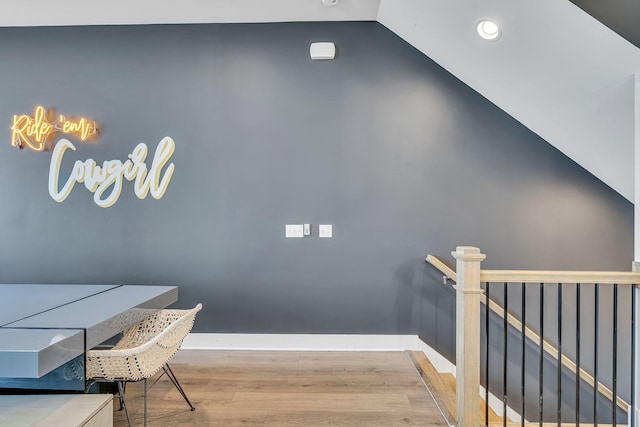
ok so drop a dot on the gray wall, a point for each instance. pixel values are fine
(401, 157)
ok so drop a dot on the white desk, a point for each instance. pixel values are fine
(45, 329)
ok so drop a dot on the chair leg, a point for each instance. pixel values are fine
(88, 386)
(145, 402)
(121, 395)
(122, 402)
(174, 380)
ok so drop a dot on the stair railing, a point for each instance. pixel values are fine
(471, 294)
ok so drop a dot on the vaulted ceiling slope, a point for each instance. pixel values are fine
(556, 69)
(622, 16)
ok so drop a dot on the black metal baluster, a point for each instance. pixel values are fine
(504, 361)
(486, 362)
(577, 354)
(614, 402)
(559, 388)
(524, 323)
(540, 398)
(595, 355)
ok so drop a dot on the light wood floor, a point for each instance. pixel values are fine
(258, 388)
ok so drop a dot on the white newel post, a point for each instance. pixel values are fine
(468, 294)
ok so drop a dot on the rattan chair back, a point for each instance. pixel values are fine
(144, 348)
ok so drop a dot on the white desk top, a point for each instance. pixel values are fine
(45, 326)
(21, 301)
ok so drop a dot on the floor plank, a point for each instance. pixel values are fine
(281, 389)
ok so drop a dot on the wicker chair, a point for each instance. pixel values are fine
(144, 349)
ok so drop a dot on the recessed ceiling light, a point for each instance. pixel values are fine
(488, 30)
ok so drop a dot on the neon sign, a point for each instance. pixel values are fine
(38, 131)
(105, 182)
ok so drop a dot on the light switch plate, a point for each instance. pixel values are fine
(325, 230)
(293, 230)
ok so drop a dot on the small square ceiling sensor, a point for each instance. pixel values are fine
(322, 50)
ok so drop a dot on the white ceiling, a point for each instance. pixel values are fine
(555, 69)
(116, 12)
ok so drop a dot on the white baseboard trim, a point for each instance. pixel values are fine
(495, 403)
(316, 342)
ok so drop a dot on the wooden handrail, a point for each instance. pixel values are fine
(548, 276)
(541, 276)
(444, 268)
(544, 276)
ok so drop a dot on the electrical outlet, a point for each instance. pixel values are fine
(293, 230)
(325, 230)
